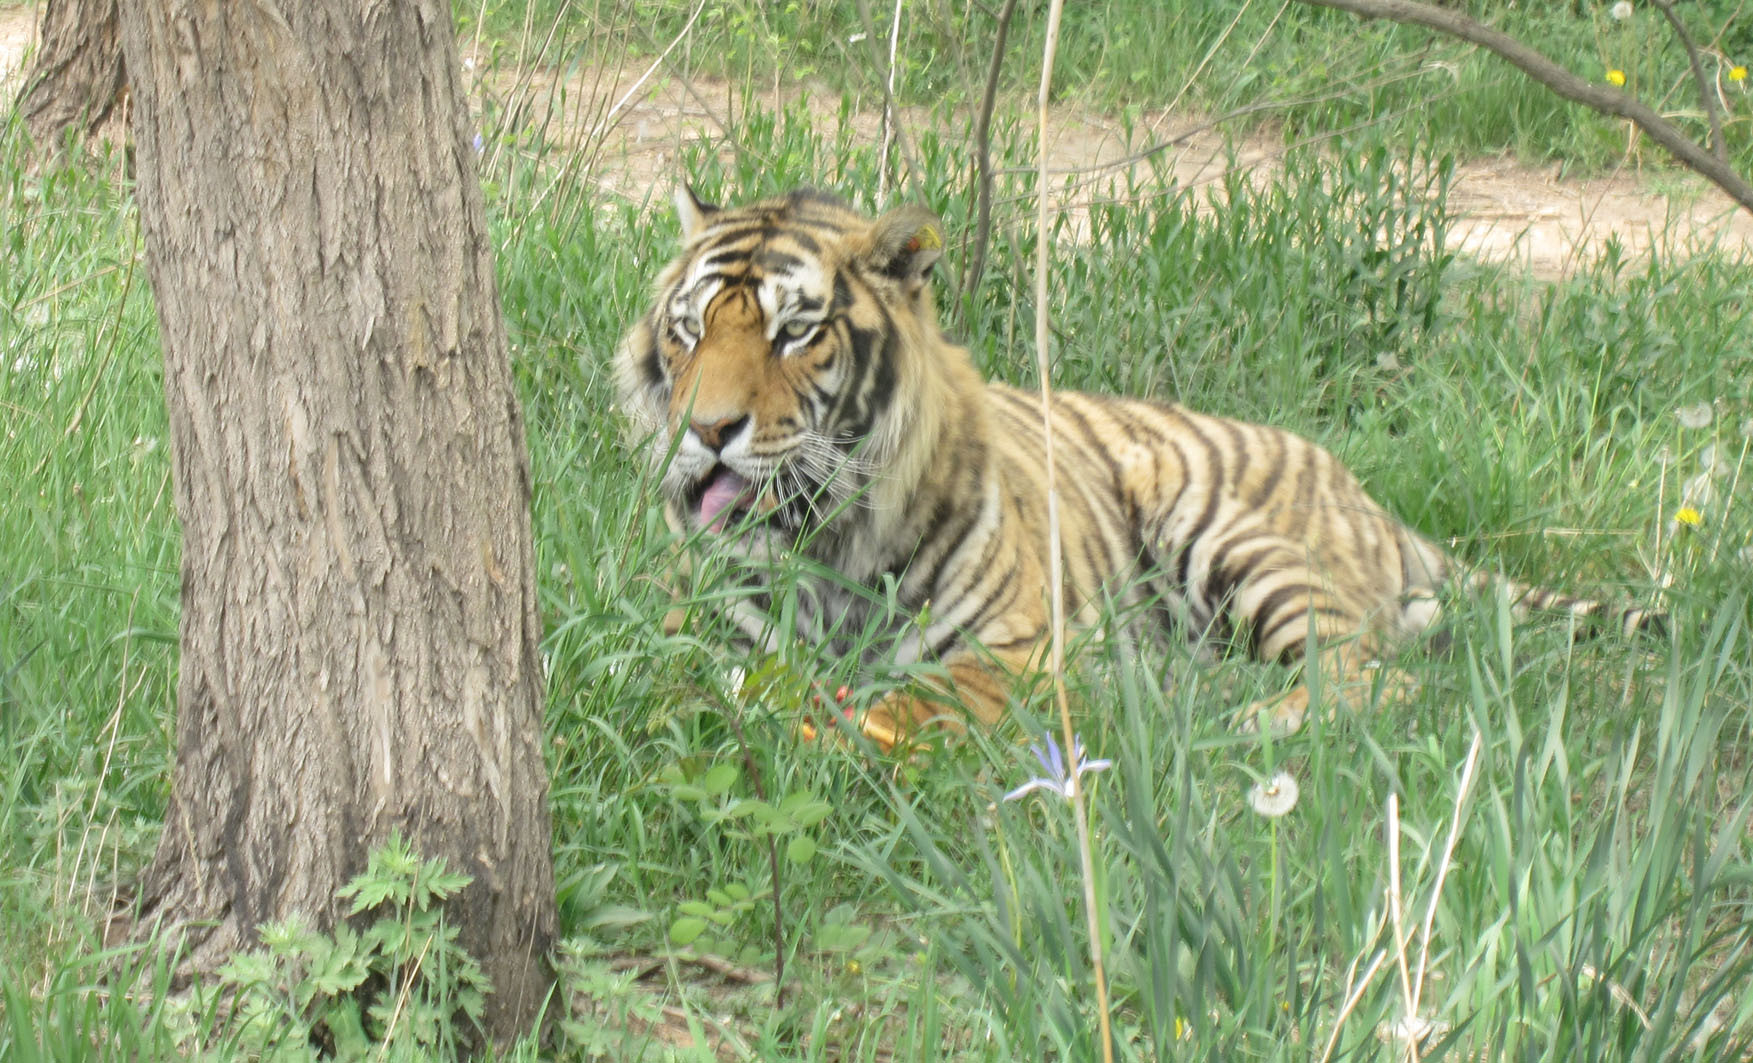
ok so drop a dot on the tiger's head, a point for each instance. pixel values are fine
(790, 357)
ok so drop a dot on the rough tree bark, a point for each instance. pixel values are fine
(78, 77)
(359, 625)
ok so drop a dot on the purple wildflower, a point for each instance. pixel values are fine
(1058, 779)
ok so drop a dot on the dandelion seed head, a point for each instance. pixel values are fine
(1274, 797)
(1620, 11)
(1698, 416)
(1708, 465)
(1706, 1030)
(1410, 1029)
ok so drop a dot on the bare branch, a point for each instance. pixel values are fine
(1561, 81)
(891, 108)
(1704, 88)
(983, 157)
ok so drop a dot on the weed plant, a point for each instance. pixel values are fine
(1561, 824)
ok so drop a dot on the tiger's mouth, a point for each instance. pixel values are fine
(724, 498)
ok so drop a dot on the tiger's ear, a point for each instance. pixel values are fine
(693, 211)
(904, 244)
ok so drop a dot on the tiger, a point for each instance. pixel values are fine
(794, 391)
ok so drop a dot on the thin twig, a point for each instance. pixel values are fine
(891, 118)
(892, 108)
(1337, 91)
(101, 375)
(1217, 46)
(1394, 905)
(1055, 549)
(1351, 999)
(615, 113)
(1611, 102)
(1704, 86)
(1443, 867)
(983, 158)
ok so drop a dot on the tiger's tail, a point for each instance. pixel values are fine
(1597, 615)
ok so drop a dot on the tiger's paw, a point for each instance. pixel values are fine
(898, 723)
(1356, 686)
(1279, 716)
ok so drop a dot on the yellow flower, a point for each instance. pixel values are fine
(1737, 73)
(1689, 517)
(1615, 76)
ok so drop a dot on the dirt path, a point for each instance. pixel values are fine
(632, 130)
(1501, 211)
(18, 26)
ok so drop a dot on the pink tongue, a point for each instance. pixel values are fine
(724, 492)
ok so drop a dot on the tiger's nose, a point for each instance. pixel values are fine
(713, 435)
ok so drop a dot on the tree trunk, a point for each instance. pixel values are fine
(359, 624)
(78, 77)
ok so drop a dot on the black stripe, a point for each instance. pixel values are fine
(771, 260)
(953, 538)
(1186, 474)
(651, 363)
(1205, 517)
(1265, 625)
(1100, 453)
(735, 231)
(814, 197)
(1225, 573)
(804, 240)
(1278, 461)
(717, 259)
(1000, 603)
(880, 390)
(1238, 447)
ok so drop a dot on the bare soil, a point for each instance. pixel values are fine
(18, 34)
(629, 128)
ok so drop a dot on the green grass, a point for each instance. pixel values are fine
(1602, 854)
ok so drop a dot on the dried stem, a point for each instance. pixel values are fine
(1443, 866)
(1705, 95)
(983, 158)
(891, 117)
(1611, 102)
(1055, 549)
(891, 109)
